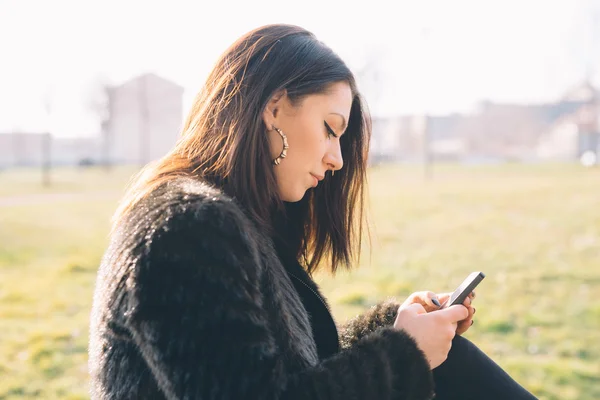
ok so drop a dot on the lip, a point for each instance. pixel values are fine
(317, 179)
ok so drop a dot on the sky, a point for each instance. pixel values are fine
(433, 56)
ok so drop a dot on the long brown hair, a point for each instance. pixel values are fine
(224, 142)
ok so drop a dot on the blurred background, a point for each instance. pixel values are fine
(485, 156)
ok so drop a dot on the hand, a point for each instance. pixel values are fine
(433, 332)
(428, 299)
(465, 324)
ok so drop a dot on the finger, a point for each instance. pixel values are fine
(443, 297)
(472, 294)
(467, 302)
(418, 308)
(425, 298)
(471, 312)
(455, 327)
(432, 300)
(455, 313)
(413, 298)
(464, 326)
(415, 308)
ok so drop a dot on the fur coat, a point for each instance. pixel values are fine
(193, 302)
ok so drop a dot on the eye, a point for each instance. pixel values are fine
(330, 131)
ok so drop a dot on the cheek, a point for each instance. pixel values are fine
(310, 150)
(309, 142)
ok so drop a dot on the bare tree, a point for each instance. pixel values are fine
(47, 139)
(99, 105)
(144, 116)
(369, 76)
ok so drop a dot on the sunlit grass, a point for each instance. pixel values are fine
(534, 230)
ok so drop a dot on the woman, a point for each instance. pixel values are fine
(205, 291)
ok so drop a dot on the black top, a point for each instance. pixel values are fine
(323, 326)
(193, 302)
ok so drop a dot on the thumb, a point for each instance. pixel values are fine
(455, 313)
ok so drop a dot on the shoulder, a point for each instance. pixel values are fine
(185, 244)
(184, 206)
(180, 224)
(186, 202)
(183, 238)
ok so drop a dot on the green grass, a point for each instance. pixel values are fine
(534, 230)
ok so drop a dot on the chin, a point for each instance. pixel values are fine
(294, 196)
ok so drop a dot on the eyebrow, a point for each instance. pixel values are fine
(345, 125)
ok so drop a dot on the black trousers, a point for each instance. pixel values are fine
(469, 374)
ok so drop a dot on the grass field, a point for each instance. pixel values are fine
(534, 230)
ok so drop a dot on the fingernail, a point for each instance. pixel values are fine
(474, 310)
(436, 302)
(472, 321)
(473, 294)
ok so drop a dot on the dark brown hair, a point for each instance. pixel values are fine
(224, 142)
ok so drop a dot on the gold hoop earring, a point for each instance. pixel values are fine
(283, 153)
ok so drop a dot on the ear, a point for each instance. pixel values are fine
(273, 108)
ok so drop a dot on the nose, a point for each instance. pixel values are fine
(333, 157)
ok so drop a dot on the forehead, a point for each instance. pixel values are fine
(337, 98)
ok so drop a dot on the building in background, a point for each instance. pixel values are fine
(145, 115)
(560, 131)
(587, 118)
(83, 151)
(26, 149)
(21, 149)
(145, 119)
(395, 139)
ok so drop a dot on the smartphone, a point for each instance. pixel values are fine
(464, 289)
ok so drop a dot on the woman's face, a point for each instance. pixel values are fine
(313, 148)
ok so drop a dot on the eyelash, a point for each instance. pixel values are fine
(330, 131)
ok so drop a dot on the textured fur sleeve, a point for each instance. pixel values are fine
(378, 316)
(195, 312)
